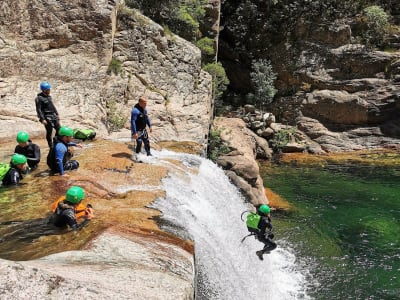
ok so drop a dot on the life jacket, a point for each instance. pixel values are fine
(84, 134)
(78, 209)
(252, 221)
(4, 168)
(141, 118)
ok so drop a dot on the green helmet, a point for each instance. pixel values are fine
(22, 137)
(18, 159)
(65, 131)
(265, 209)
(75, 194)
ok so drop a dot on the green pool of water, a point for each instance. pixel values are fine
(344, 227)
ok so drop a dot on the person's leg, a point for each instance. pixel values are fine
(56, 126)
(138, 145)
(49, 131)
(71, 165)
(147, 145)
(269, 246)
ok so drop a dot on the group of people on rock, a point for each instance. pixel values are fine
(27, 156)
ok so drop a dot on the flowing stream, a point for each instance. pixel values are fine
(203, 205)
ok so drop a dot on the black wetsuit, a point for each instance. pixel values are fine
(31, 152)
(139, 120)
(47, 111)
(13, 176)
(65, 215)
(265, 236)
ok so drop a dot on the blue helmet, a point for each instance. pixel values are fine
(45, 86)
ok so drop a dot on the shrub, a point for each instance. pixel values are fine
(377, 22)
(219, 79)
(115, 67)
(282, 138)
(263, 79)
(115, 117)
(206, 45)
(216, 147)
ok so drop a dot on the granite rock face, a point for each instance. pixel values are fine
(99, 57)
(112, 267)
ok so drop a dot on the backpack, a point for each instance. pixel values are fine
(84, 134)
(4, 168)
(252, 221)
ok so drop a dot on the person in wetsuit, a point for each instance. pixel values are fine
(17, 168)
(47, 112)
(262, 234)
(68, 209)
(28, 149)
(139, 121)
(59, 157)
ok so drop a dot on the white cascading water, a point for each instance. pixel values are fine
(201, 200)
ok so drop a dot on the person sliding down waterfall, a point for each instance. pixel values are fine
(257, 224)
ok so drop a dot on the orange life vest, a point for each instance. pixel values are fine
(79, 208)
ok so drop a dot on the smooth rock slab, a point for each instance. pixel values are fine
(113, 267)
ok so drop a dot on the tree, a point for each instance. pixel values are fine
(377, 25)
(263, 78)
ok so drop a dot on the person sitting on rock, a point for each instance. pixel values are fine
(68, 209)
(17, 169)
(28, 149)
(59, 157)
(262, 235)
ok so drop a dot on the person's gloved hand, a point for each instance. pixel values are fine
(89, 213)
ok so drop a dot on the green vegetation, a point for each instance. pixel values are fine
(115, 117)
(220, 80)
(377, 22)
(216, 147)
(115, 67)
(206, 45)
(263, 78)
(282, 138)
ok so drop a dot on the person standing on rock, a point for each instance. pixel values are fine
(47, 112)
(27, 148)
(139, 121)
(68, 209)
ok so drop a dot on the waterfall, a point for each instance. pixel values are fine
(201, 200)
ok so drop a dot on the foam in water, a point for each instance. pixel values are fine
(208, 207)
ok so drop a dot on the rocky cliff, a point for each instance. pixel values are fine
(336, 90)
(99, 57)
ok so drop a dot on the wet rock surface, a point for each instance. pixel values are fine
(121, 253)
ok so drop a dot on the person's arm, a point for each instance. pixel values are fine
(148, 122)
(71, 221)
(14, 177)
(36, 153)
(60, 152)
(39, 112)
(73, 144)
(134, 115)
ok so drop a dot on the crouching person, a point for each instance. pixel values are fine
(68, 209)
(59, 157)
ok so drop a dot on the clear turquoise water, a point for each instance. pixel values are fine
(345, 227)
